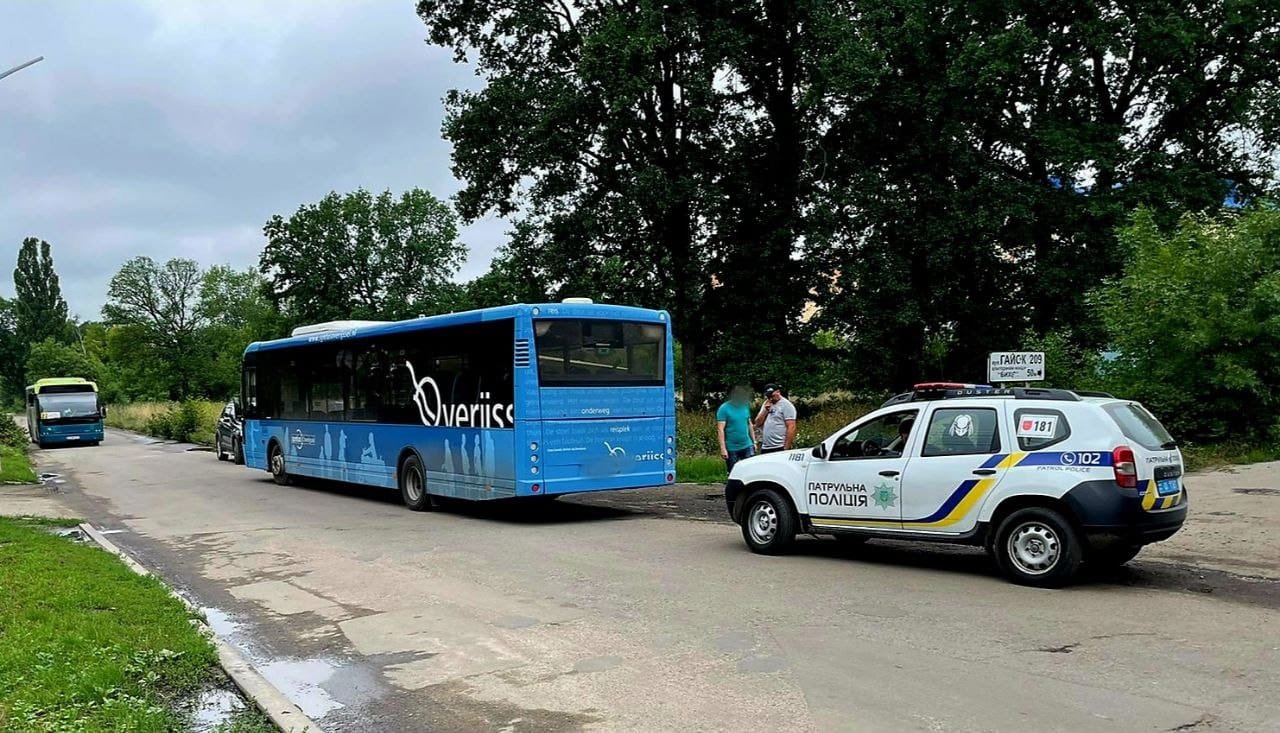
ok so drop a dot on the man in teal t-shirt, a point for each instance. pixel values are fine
(733, 426)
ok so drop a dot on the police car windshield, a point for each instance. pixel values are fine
(1140, 426)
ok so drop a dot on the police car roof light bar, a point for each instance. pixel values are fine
(929, 391)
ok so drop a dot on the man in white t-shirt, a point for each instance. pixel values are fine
(777, 420)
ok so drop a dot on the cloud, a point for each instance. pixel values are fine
(176, 129)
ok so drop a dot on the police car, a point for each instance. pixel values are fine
(1045, 479)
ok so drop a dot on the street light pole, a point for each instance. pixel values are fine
(20, 67)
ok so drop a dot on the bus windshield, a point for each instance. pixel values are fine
(591, 352)
(67, 405)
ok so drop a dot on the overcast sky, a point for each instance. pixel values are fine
(175, 129)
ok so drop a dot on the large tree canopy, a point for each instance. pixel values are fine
(603, 126)
(361, 256)
(938, 177)
(981, 165)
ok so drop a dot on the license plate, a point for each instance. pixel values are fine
(1167, 487)
(73, 437)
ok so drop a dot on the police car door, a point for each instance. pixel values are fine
(856, 485)
(953, 466)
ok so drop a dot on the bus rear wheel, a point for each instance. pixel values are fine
(413, 485)
(276, 463)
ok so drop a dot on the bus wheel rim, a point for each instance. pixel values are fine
(413, 484)
(277, 462)
(763, 522)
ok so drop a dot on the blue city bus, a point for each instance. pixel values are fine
(64, 411)
(515, 401)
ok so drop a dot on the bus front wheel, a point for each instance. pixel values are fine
(276, 463)
(413, 485)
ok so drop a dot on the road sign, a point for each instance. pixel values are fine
(1016, 366)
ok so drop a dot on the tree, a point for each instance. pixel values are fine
(1195, 323)
(981, 157)
(39, 310)
(12, 353)
(360, 256)
(50, 358)
(238, 309)
(508, 281)
(161, 302)
(596, 127)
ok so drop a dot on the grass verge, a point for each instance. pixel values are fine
(701, 470)
(15, 466)
(1201, 457)
(191, 421)
(86, 644)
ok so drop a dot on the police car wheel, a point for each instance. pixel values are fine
(1038, 547)
(237, 452)
(769, 523)
(279, 473)
(413, 485)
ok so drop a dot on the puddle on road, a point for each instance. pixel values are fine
(301, 680)
(222, 623)
(214, 707)
(75, 534)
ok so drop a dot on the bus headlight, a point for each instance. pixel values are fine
(534, 470)
(533, 458)
(533, 446)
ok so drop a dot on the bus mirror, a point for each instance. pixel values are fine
(103, 411)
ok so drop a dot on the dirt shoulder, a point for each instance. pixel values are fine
(1233, 524)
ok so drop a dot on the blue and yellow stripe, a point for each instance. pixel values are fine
(963, 500)
(1151, 499)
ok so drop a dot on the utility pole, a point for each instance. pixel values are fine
(20, 67)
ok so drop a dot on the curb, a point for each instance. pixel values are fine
(286, 715)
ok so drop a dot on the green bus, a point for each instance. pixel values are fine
(64, 410)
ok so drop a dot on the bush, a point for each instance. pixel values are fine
(12, 434)
(189, 421)
(1195, 323)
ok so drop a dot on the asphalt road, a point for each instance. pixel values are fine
(644, 611)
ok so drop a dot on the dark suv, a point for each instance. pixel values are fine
(228, 437)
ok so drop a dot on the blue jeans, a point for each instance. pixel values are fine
(738, 455)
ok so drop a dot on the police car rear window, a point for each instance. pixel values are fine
(1139, 425)
(1037, 428)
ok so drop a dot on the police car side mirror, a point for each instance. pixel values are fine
(820, 450)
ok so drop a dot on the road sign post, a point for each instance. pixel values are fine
(1015, 366)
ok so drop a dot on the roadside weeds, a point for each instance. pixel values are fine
(87, 644)
(279, 709)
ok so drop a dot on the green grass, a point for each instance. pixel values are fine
(15, 466)
(700, 470)
(1200, 457)
(85, 643)
(53, 522)
(169, 420)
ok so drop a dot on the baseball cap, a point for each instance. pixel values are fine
(771, 388)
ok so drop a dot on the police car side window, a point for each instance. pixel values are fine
(880, 434)
(962, 431)
(1037, 428)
